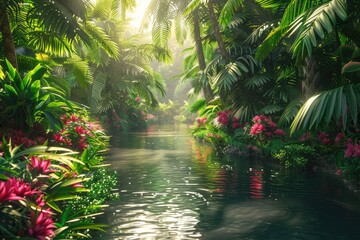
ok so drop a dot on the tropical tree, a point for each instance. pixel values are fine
(317, 33)
(162, 14)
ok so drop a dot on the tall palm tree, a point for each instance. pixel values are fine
(115, 80)
(162, 13)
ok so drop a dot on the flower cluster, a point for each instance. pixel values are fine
(324, 138)
(352, 150)
(264, 128)
(200, 121)
(19, 195)
(225, 119)
(35, 136)
(78, 132)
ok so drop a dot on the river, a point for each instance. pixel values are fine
(173, 187)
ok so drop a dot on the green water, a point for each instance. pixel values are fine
(172, 187)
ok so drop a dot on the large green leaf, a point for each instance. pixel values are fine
(329, 107)
(351, 67)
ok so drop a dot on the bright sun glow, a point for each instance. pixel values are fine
(137, 15)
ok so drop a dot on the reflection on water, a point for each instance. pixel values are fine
(172, 187)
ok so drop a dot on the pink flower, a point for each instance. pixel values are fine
(257, 128)
(7, 191)
(39, 166)
(324, 138)
(340, 136)
(82, 144)
(236, 125)
(22, 189)
(223, 117)
(58, 138)
(279, 132)
(306, 137)
(257, 119)
(74, 118)
(80, 130)
(41, 225)
(352, 150)
(138, 99)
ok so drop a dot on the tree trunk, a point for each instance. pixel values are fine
(8, 42)
(217, 33)
(311, 79)
(208, 93)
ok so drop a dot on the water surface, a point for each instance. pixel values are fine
(172, 187)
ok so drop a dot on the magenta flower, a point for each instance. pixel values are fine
(257, 128)
(223, 117)
(39, 166)
(80, 130)
(324, 138)
(339, 137)
(22, 189)
(352, 150)
(7, 191)
(279, 132)
(41, 225)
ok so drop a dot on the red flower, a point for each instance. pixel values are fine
(59, 138)
(324, 138)
(340, 136)
(223, 117)
(257, 128)
(7, 191)
(39, 166)
(41, 225)
(80, 130)
(21, 188)
(279, 132)
(352, 150)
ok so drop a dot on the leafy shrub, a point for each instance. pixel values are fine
(296, 155)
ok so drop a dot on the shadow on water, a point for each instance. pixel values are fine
(172, 187)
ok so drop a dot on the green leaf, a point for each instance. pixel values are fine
(351, 67)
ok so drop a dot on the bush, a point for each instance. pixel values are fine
(296, 155)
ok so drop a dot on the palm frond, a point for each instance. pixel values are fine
(227, 76)
(334, 105)
(315, 24)
(257, 80)
(161, 32)
(81, 71)
(271, 109)
(269, 44)
(101, 39)
(191, 7)
(290, 111)
(49, 43)
(228, 11)
(180, 29)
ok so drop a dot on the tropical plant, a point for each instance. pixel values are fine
(30, 99)
(296, 156)
(48, 27)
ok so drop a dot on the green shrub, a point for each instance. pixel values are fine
(296, 155)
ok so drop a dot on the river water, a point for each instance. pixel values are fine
(172, 187)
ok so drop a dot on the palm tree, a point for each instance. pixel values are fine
(162, 13)
(116, 80)
(51, 27)
(314, 29)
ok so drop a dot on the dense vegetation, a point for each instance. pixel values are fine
(273, 77)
